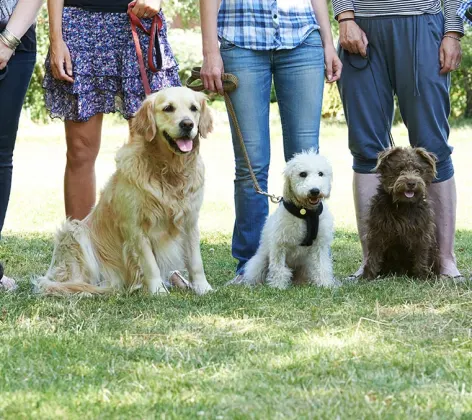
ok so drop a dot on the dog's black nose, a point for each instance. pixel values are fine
(411, 185)
(315, 192)
(186, 125)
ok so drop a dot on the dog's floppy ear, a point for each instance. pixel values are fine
(144, 122)
(429, 158)
(383, 157)
(205, 125)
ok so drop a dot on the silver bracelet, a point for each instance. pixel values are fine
(10, 40)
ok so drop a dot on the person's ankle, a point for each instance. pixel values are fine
(448, 266)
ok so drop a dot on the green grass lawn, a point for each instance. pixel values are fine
(393, 348)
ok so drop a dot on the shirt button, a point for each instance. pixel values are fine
(275, 16)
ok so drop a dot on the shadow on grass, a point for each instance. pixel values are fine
(29, 254)
(238, 351)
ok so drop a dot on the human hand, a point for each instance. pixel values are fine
(212, 69)
(146, 8)
(61, 63)
(352, 38)
(450, 53)
(5, 55)
(333, 65)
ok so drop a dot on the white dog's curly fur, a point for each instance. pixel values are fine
(280, 259)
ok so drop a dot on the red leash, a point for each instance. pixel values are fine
(153, 33)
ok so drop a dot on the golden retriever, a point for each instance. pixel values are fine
(145, 223)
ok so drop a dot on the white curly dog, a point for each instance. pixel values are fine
(296, 239)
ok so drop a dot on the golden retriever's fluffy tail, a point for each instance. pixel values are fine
(45, 286)
(74, 268)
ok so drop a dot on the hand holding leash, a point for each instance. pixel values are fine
(146, 8)
(154, 46)
(229, 84)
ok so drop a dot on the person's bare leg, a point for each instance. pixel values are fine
(83, 144)
(364, 187)
(443, 196)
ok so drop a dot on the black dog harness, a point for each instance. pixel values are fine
(312, 218)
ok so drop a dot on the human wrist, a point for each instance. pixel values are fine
(211, 51)
(55, 36)
(349, 14)
(9, 39)
(329, 47)
(453, 35)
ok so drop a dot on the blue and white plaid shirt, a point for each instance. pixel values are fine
(462, 9)
(266, 24)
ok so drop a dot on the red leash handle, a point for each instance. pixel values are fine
(153, 45)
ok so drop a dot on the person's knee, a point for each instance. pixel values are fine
(81, 152)
(243, 174)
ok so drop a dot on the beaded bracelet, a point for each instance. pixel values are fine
(452, 37)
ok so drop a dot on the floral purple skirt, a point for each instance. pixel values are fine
(105, 67)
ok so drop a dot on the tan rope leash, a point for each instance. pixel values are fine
(230, 84)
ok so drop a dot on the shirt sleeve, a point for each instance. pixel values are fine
(340, 6)
(453, 23)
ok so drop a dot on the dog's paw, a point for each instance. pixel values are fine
(332, 283)
(161, 290)
(202, 288)
(280, 279)
(329, 282)
(157, 287)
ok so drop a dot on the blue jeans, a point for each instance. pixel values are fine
(298, 76)
(12, 94)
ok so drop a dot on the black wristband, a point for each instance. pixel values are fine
(345, 20)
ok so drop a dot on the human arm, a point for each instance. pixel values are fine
(22, 18)
(212, 67)
(450, 53)
(332, 62)
(146, 8)
(351, 37)
(61, 63)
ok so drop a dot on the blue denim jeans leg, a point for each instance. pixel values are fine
(12, 94)
(298, 76)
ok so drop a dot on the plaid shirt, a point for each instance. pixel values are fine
(266, 24)
(462, 9)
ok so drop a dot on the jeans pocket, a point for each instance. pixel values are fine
(313, 40)
(226, 45)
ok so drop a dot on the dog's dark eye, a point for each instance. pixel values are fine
(193, 108)
(303, 174)
(320, 174)
(169, 108)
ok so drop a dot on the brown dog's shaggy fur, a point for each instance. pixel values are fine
(146, 221)
(401, 236)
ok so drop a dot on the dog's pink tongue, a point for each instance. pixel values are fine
(185, 145)
(409, 194)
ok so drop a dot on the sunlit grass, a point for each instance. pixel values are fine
(393, 348)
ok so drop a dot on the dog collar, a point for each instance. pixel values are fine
(312, 218)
